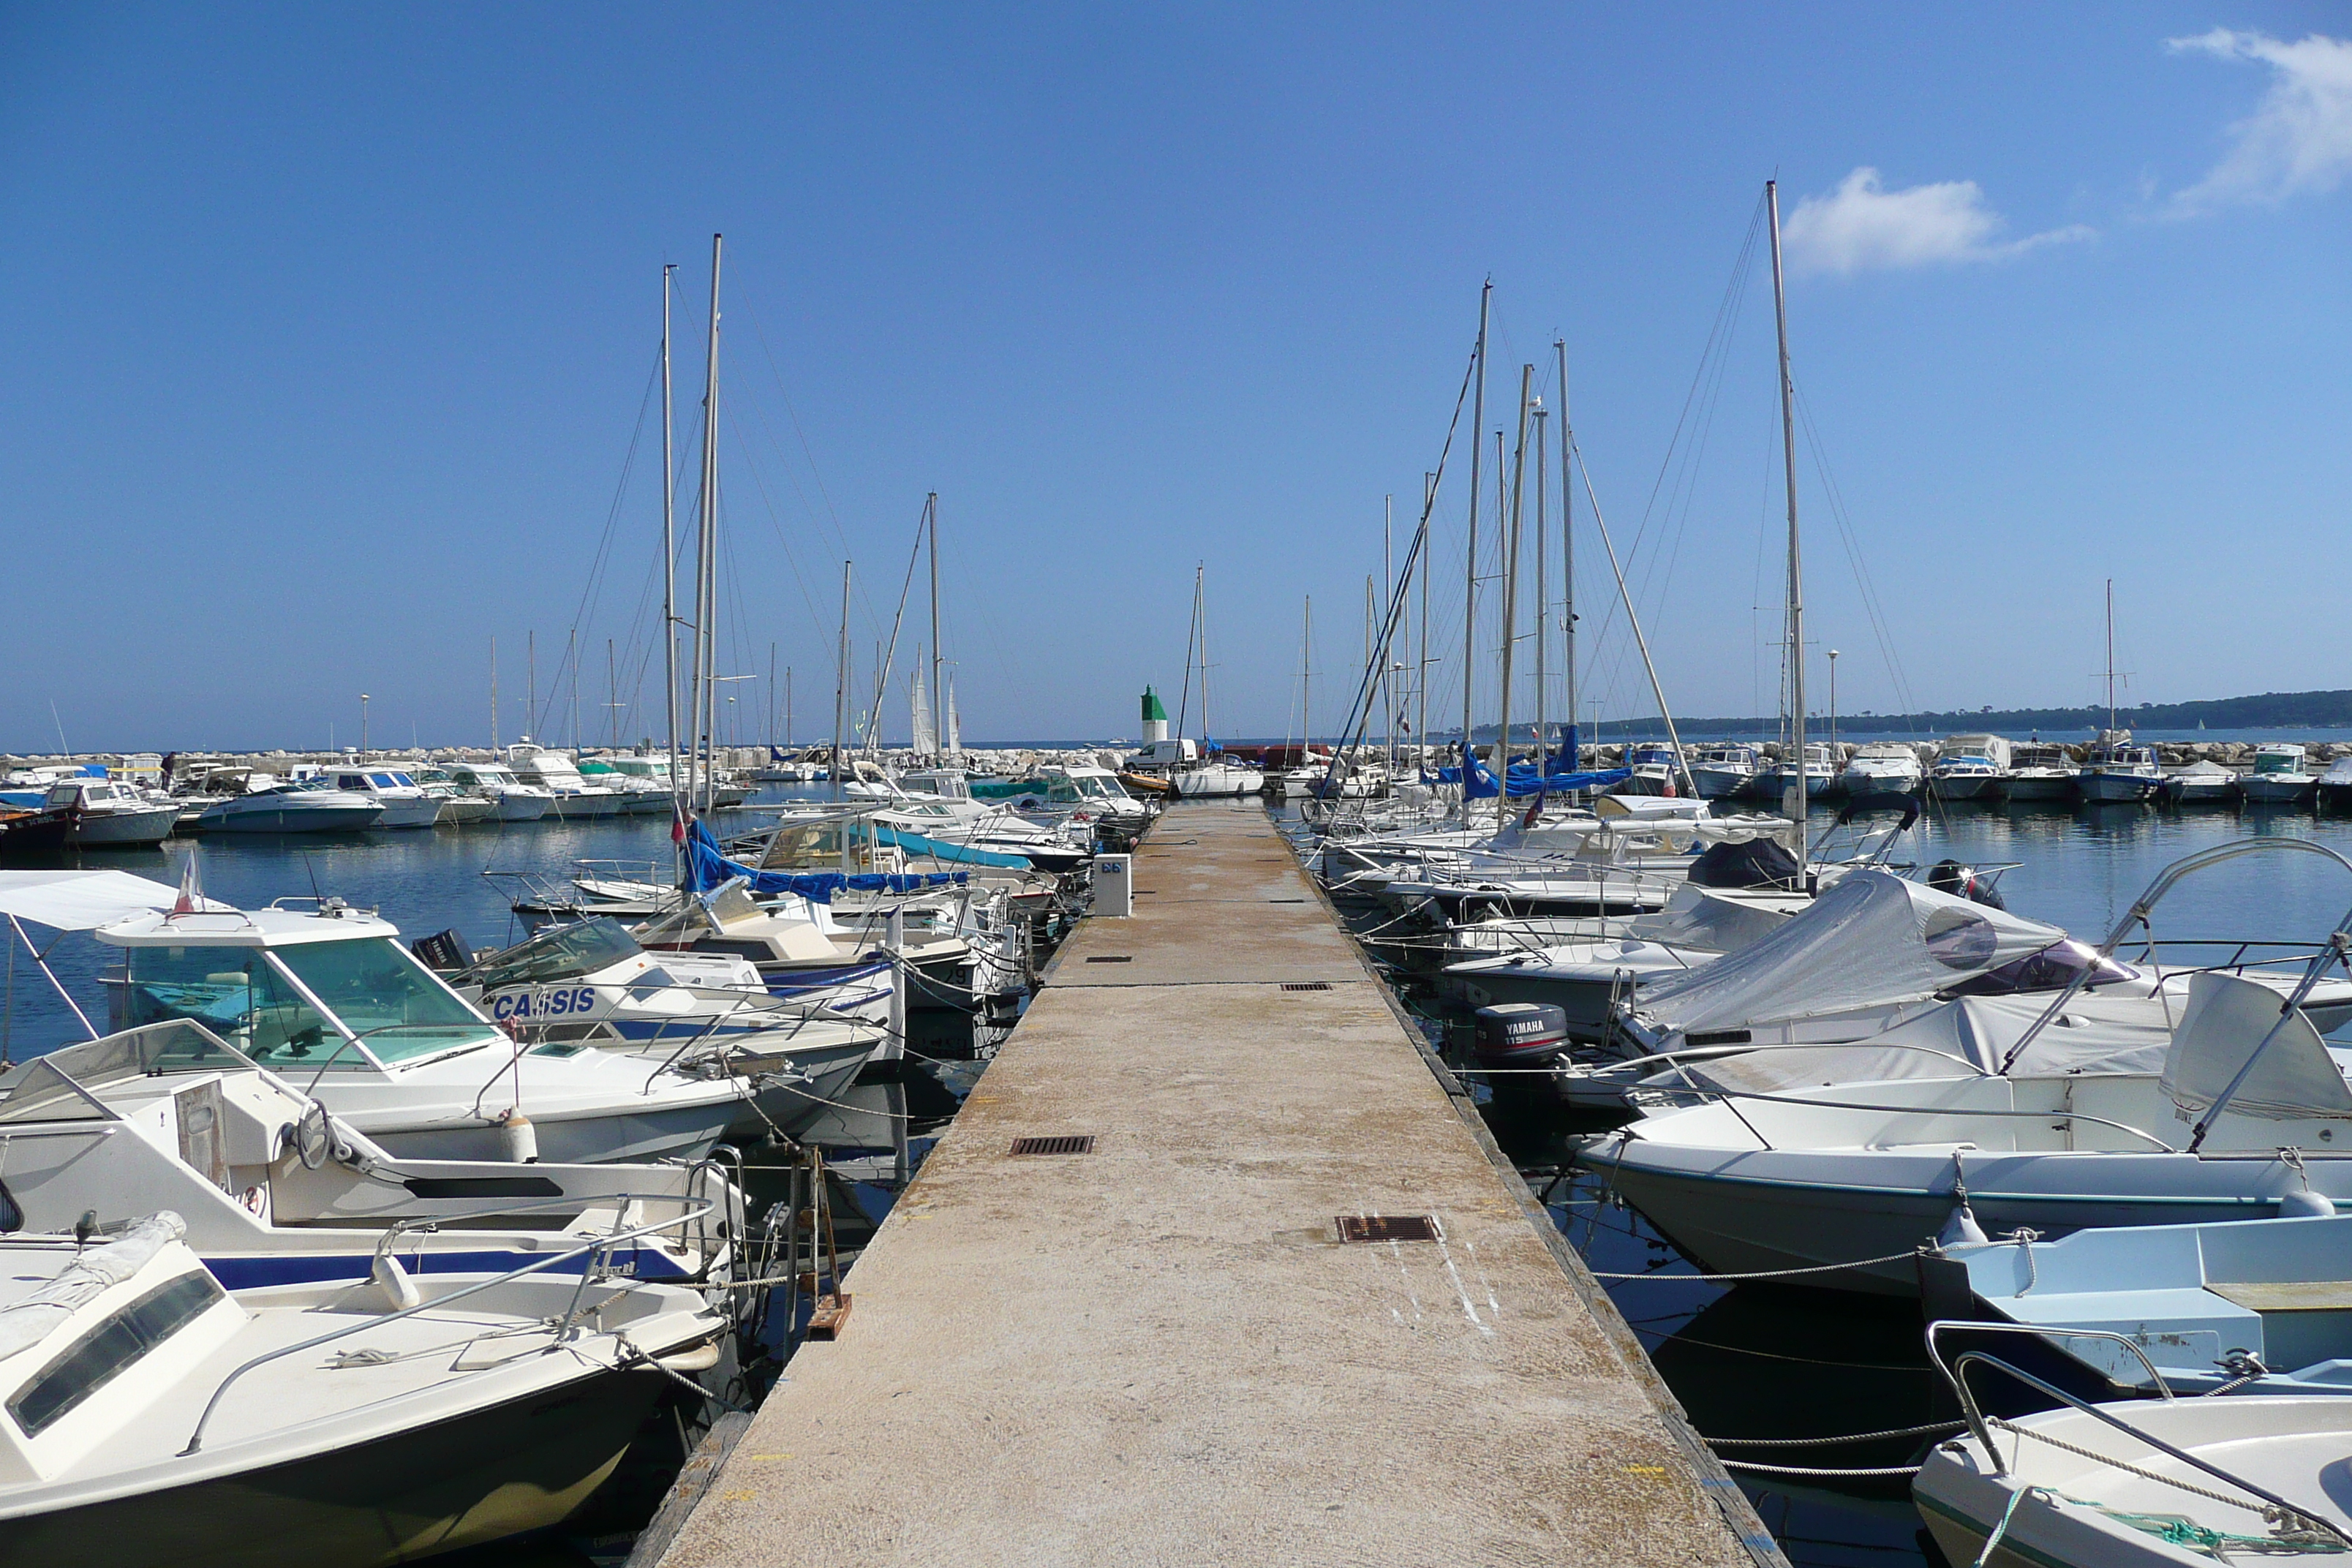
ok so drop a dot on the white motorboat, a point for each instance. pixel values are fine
(1970, 767)
(329, 996)
(1820, 775)
(1859, 1173)
(1583, 976)
(1871, 951)
(405, 805)
(107, 813)
(496, 783)
(990, 827)
(2039, 773)
(590, 984)
(573, 795)
(2140, 1484)
(2200, 783)
(2336, 785)
(291, 808)
(1725, 770)
(274, 1191)
(2282, 775)
(159, 1421)
(1652, 769)
(2262, 1305)
(457, 808)
(644, 780)
(2116, 770)
(1882, 768)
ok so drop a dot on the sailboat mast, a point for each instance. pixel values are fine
(1201, 607)
(706, 620)
(1470, 574)
(1568, 560)
(772, 694)
(494, 693)
(1306, 657)
(1388, 613)
(2111, 653)
(1420, 673)
(572, 656)
(1511, 591)
(841, 688)
(938, 703)
(613, 690)
(669, 584)
(1543, 602)
(1792, 770)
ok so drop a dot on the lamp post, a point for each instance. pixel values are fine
(364, 702)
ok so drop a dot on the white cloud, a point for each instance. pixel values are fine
(2299, 138)
(1862, 224)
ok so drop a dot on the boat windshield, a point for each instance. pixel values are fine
(378, 991)
(385, 996)
(2051, 969)
(558, 953)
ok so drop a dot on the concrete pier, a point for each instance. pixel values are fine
(1162, 1351)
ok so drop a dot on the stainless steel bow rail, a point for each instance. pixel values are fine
(2277, 1508)
(569, 1328)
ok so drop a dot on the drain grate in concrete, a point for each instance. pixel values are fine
(1064, 1143)
(1387, 1227)
(1113, 958)
(1306, 986)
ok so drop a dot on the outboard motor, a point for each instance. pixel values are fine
(1520, 1034)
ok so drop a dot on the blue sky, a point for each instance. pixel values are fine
(329, 330)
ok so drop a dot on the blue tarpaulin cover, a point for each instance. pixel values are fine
(1524, 781)
(706, 867)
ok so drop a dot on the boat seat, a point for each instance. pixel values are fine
(2286, 1295)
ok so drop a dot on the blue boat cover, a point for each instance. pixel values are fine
(706, 867)
(1524, 781)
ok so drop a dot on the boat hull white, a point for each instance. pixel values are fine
(124, 829)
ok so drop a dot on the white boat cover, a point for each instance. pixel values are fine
(2093, 1034)
(1871, 938)
(2294, 1077)
(34, 1316)
(83, 900)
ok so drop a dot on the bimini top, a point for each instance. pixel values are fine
(1871, 938)
(221, 927)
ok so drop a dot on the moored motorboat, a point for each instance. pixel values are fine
(2281, 776)
(160, 1421)
(2148, 1482)
(1969, 767)
(2200, 783)
(112, 814)
(291, 808)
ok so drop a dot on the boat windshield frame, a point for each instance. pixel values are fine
(379, 1047)
(581, 948)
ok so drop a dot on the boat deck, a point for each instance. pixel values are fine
(1162, 1349)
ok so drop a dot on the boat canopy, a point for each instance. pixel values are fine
(1870, 938)
(84, 900)
(2293, 1077)
(2094, 1034)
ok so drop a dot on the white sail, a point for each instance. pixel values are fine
(925, 742)
(955, 725)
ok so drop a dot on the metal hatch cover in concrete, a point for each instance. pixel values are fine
(1161, 1352)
